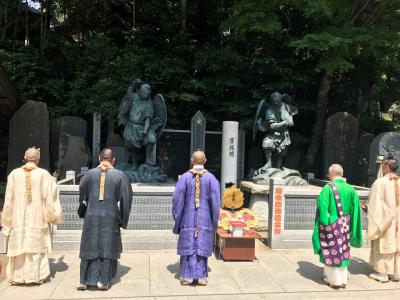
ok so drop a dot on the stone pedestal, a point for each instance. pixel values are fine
(229, 153)
(258, 202)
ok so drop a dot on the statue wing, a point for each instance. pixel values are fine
(160, 112)
(124, 108)
(258, 118)
(288, 105)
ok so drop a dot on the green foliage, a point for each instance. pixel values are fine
(230, 55)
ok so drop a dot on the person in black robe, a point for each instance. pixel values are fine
(108, 196)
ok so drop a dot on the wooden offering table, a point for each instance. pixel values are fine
(236, 247)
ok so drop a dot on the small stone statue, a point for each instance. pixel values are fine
(273, 119)
(143, 119)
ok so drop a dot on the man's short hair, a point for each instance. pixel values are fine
(106, 154)
(199, 157)
(392, 164)
(336, 170)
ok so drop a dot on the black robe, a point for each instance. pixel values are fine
(101, 236)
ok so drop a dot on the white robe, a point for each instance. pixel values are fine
(384, 226)
(26, 223)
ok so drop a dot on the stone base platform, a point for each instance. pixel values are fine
(150, 221)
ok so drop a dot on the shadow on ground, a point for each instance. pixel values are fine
(57, 265)
(310, 271)
(174, 269)
(121, 272)
(359, 266)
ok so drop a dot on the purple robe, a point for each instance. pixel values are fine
(187, 217)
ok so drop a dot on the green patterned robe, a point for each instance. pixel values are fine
(328, 214)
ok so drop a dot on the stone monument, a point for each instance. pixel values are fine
(341, 144)
(96, 138)
(383, 144)
(273, 119)
(29, 127)
(68, 145)
(144, 120)
(197, 133)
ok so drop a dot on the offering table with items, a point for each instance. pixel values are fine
(236, 247)
(235, 237)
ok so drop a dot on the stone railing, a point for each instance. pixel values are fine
(151, 207)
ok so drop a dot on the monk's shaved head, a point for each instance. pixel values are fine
(199, 157)
(392, 164)
(335, 170)
(106, 154)
(32, 155)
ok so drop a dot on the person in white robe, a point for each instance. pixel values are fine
(31, 205)
(383, 209)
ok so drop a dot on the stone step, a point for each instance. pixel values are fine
(69, 240)
(125, 238)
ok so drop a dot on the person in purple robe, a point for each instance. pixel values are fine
(196, 205)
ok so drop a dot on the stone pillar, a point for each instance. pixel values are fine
(241, 153)
(96, 139)
(229, 153)
(276, 218)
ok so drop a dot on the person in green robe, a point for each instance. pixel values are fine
(336, 277)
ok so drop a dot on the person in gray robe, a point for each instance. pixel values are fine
(108, 196)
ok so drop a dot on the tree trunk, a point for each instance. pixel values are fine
(26, 23)
(133, 14)
(18, 4)
(41, 25)
(3, 36)
(183, 16)
(322, 104)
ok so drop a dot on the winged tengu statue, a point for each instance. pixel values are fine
(144, 120)
(273, 119)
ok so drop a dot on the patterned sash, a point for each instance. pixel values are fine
(198, 175)
(335, 238)
(28, 167)
(397, 193)
(104, 166)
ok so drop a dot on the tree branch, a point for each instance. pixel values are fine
(374, 14)
(359, 12)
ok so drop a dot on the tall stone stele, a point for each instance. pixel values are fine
(143, 119)
(273, 119)
(29, 127)
(197, 133)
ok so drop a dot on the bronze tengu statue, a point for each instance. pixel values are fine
(273, 120)
(144, 120)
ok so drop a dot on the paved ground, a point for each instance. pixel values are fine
(294, 274)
